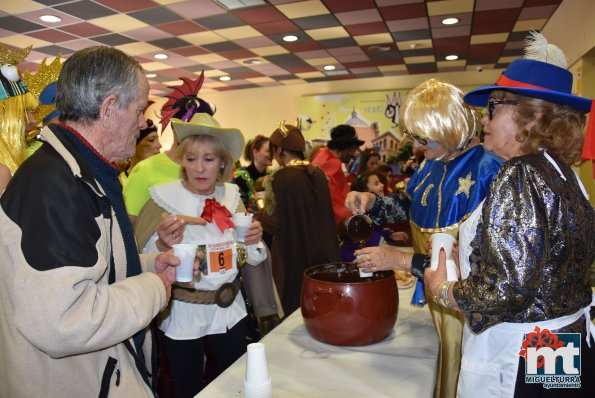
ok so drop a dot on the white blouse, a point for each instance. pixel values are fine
(185, 321)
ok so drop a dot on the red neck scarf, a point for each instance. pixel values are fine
(217, 213)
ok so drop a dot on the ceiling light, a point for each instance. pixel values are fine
(290, 38)
(151, 75)
(50, 18)
(451, 57)
(329, 67)
(225, 78)
(450, 21)
(161, 56)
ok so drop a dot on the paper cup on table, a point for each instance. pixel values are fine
(446, 241)
(186, 253)
(242, 222)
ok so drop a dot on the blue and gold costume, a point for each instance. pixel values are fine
(444, 194)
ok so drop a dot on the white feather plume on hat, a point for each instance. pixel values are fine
(538, 49)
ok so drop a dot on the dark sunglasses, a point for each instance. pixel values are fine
(420, 140)
(492, 105)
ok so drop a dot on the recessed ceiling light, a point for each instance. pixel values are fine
(161, 56)
(329, 67)
(50, 18)
(290, 38)
(451, 57)
(151, 75)
(225, 78)
(450, 21)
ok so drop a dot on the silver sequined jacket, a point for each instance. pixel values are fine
(533, 249)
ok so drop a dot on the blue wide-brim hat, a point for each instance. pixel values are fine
(545, 81)
(533, 79)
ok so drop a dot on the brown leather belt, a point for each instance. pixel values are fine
(224, 296)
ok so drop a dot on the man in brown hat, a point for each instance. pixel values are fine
(298, 213)
(340, 149)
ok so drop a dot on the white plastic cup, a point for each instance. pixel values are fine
(257, 371)
(186, 252)
(363, 274)
(242, 222)
(446, 241)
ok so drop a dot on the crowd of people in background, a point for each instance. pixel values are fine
(87, 283)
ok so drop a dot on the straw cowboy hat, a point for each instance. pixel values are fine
(205, 124)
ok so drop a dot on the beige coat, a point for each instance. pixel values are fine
(63, 327)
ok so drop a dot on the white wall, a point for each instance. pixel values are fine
(572, 28)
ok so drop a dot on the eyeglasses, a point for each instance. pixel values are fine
(492, 105)
(420, 140)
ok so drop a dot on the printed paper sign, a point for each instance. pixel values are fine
(221, 257)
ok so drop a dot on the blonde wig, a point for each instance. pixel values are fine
(219, 150)
(435, 110)
(13, 123)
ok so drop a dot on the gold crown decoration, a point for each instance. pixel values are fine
(13, 57)
(45, 75)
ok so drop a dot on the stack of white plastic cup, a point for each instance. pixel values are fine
(257, 381)
(446, 241)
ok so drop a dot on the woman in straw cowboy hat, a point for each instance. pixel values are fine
(528, 263)
(208, 314)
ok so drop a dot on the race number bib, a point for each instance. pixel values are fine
(221, 258)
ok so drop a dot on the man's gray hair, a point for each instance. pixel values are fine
(89, 76)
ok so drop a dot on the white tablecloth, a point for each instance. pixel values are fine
(403, 365)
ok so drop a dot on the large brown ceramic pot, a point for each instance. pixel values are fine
(340, 308)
